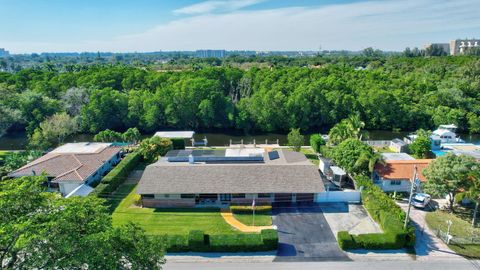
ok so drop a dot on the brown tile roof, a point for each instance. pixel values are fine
(67, 166)
(402, 169)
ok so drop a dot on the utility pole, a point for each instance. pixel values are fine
(407, 217)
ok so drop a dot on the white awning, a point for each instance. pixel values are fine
(82, 191)
(175, 134)
(337, 170)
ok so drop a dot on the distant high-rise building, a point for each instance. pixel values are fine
(4, 53)
(460, 46)
(210, 53)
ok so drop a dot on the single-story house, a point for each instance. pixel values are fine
(73, 165)
(189, 178)
(396, 175)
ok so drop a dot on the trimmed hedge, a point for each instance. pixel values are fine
(117, 175)
(198, 241)
(387, 214)
(247, 209)
(345, 240)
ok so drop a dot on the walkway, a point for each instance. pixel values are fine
(230, 219)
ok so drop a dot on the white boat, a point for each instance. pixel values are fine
(446, 134)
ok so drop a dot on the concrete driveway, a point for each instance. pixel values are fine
(428, 246)
(352, 218)
(304, 235)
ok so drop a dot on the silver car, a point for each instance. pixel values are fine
(420, 200)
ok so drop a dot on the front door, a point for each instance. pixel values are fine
(225, 197)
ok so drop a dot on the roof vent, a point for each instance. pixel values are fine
(191, 160)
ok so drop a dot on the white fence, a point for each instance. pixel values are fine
(338, 196)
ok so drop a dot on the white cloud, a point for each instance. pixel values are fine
(215, 6)
(388, 25)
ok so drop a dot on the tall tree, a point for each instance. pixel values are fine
(53, 131)
(448, 174)
(295, 139)
(355, 156)
(41, 230)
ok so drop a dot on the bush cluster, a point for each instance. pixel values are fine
(117, 176)
(199, 241)
(247, 209)
(387, 214)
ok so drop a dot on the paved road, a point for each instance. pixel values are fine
(304, 235)
(390, 265)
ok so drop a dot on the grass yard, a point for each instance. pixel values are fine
(166, 221)
(460, 228)
(263, 218)
(310, 155)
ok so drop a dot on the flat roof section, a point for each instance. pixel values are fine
(175, 134)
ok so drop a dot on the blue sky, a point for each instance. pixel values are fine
(152, 25)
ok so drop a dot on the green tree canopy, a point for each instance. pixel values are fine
(53, 131)
(316, 142)
(154, 147)
(42, 230)
(421, 147)
(448, 174)
(295, 139)
(355, 156)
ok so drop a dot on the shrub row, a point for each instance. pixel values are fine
(247, 209)
(117, 176)
(387, 214)
(198, 241)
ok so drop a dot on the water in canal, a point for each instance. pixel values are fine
(18, 141)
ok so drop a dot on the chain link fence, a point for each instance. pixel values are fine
(474, 239)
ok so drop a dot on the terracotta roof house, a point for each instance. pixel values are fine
(396, 175)
(73, 165)
(188, 178)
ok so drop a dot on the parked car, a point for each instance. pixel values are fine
(420, 200)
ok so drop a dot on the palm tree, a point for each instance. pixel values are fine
(356, 124)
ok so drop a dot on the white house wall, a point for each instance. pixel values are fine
(338, 196)
(67, 187)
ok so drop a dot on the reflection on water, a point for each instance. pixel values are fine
(18, 141)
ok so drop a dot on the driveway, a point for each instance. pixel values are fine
(304, 235)
(428, 246)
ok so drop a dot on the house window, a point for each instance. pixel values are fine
(264, 195)
(187, 196)
(225, 197)
(148, 196)
(238, 195)
(395, 182)
(166, 195)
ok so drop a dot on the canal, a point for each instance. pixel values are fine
(19, 141)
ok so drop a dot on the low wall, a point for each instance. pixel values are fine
(168, 203)
(338, 196)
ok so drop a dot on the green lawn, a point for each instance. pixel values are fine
(460, 228)
(261, 218)
(166, 221)
(310, 155)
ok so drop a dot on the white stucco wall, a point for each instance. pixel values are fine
(67, 187)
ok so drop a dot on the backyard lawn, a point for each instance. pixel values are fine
(460, 228)
(166, 221)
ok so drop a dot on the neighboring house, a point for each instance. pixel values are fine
(188, 178)
(73, 167)
(395, 145)
(398, 145)
(397, 174)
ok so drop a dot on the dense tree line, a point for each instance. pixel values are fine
(401, 93)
